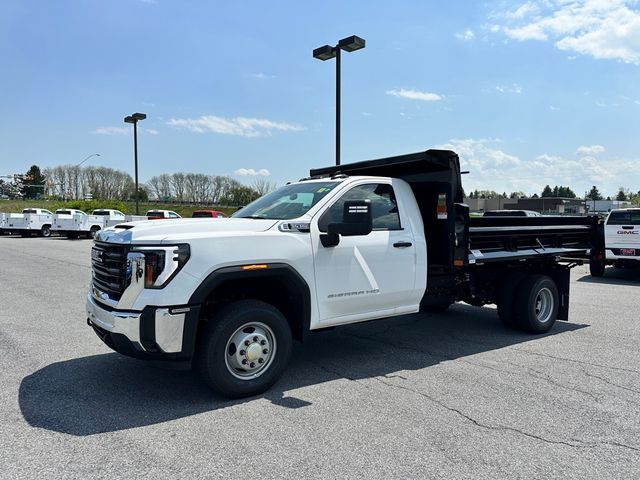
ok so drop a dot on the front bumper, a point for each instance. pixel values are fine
(155, 333)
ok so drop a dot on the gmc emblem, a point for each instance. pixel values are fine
(628, 232)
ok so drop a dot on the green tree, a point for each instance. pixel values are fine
(594, 194)
(33, 183)
(239, 196)
(621, 196)
(547, 192)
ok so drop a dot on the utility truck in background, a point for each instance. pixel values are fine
(31, 221)
(161, 214)
(75, 223)
(349, 243)
(621, 242)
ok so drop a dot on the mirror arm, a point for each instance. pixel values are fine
(329, 239)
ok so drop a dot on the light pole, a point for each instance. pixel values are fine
(77, 172)
(92, 155)
(135, 118)
(327, 52)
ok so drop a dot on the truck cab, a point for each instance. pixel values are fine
(621, 241)
(208, 214)
(161, 214)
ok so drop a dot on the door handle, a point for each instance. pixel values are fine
(402, 244)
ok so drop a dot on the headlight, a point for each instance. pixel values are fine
(162, 263)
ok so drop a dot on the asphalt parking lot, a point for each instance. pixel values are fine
(451, 395)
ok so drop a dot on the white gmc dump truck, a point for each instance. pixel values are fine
(30, 221)
(351, 243)
(621, 241)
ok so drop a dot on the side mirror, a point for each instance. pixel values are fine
(357, 220)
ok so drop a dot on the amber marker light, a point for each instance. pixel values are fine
(260, 266)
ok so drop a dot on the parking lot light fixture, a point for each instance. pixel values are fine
(327, 52)
(134, 119)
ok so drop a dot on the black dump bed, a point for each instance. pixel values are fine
(454, 239)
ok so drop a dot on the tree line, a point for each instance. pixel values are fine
(72, 182)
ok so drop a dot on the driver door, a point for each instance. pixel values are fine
(365, 276)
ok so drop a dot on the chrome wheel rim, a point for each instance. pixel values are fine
(250, 351)
(544, 305)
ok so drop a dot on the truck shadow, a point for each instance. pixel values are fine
(109, 392)
(615, 276)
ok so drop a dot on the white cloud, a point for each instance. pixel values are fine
(262, 76)
(553, 108)
(466, 35)
(590, 149)
(514, 88)
(111, 131)
(493, 168)
(151, 131)
(250, 172)
(603, 29)
(415, 95)
(241, 126)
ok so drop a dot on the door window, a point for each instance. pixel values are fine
(384, 206)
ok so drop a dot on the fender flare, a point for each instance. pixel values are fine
(236, 272)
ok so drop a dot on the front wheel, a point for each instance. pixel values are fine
(93, 232)
(45, 231)
(537, 303)
(244, 348)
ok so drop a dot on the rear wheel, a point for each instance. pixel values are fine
(45, 231)
(537, 303)
(93, 232)
(596, 267)
(244, 349)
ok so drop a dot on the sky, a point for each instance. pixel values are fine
(527, 93)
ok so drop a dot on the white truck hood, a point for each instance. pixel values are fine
(181, 230)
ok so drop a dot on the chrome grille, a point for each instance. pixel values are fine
(109, 268)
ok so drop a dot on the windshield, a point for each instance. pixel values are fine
(288, 202)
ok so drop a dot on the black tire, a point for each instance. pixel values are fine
(212, 354)
(596, 267)
(92, 233)
(506, 298)
(45, 231)
(537, 303)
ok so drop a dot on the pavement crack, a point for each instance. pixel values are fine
(609, 382)
(543, 376)
(504, 428)
(573, 360)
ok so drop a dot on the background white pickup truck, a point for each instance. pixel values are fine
(76, 223)
(352, 243)
(621, 241)
(30, 221)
